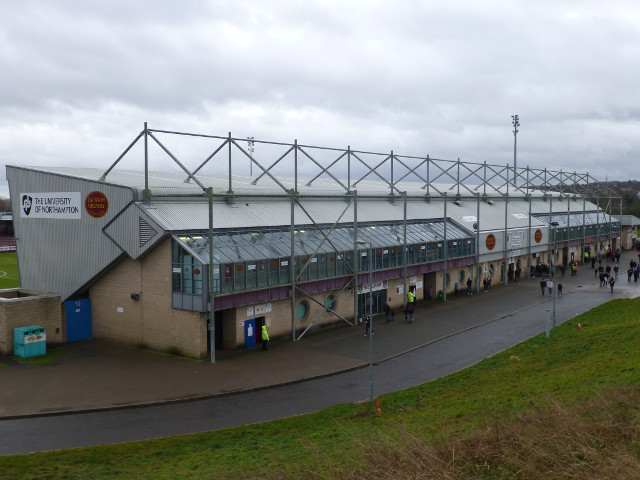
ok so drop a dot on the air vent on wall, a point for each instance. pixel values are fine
(146, 231)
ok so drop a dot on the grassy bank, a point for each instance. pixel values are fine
(563, 407)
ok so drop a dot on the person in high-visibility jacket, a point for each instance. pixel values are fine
(265, 337)
(410, 297)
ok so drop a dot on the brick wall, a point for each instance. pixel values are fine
(151, 321)
(20, 309)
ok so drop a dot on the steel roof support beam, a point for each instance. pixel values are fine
(204, 189)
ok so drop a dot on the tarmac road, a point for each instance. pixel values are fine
(491, 325)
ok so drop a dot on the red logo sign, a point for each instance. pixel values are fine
(491, 241)
(96, 204)
(538, 236)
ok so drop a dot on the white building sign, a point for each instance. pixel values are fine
(54, 205)
(376, 286)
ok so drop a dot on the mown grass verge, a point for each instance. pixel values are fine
(563, 407)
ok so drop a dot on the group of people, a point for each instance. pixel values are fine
(389, 315)
(548, 285)
(633, 271)
(611, 255)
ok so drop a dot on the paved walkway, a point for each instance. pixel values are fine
(95, 375)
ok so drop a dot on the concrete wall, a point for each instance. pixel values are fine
(22, 308)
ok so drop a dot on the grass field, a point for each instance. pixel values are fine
(9, 270)
(563, 407)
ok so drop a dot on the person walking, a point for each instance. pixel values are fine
(387, 310)
(469, 283)
(550, 286)
(367, 326)
(410, 311)
(543, 284)
(265, 337)
(559, 289)
(612, 283)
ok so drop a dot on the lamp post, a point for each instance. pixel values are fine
(370, 310)
(250, 146)
(553, 274)
(515, 120)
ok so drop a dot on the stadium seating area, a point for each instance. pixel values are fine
(7, 243)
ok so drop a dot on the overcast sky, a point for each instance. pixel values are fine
(80, 78)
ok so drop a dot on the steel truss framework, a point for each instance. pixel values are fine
(345, 170)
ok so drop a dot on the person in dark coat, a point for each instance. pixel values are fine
(543, 285)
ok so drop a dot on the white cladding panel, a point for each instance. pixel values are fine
(134, 231)
(61, 255)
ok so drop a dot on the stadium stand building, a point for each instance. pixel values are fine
(149, 258)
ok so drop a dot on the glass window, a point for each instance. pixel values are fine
(274, 268)
(187, 274)
(340, 269)
(385, 254)
(364, 263)
(262, 274)
(302, 311)
(313, 268)
(322, 265)
(301, 263)
(330, 303)
(284, 271)
(227, 277)
(176, 278)
(239, 276)
(252, 275)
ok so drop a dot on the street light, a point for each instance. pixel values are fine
(515, 120)
(250, 145)
(370, 262)
(553, 274)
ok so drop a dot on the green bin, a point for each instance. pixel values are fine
(29, 341)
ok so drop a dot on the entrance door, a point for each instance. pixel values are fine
(378, 297)
(259, 323)
(218, 332)
(78, 319)
(249, 333)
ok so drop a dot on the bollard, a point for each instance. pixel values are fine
(548, 323)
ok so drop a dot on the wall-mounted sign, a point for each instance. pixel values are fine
(376, 286)
(491, 241)
(258, 309)
(538, 236)
(96, 204)
(54, 205)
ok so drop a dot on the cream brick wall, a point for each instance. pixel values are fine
(278, 321)
(151, 321)
(22, 311)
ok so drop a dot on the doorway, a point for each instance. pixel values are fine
(260, 321)
(378, 297)
(218, 332)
